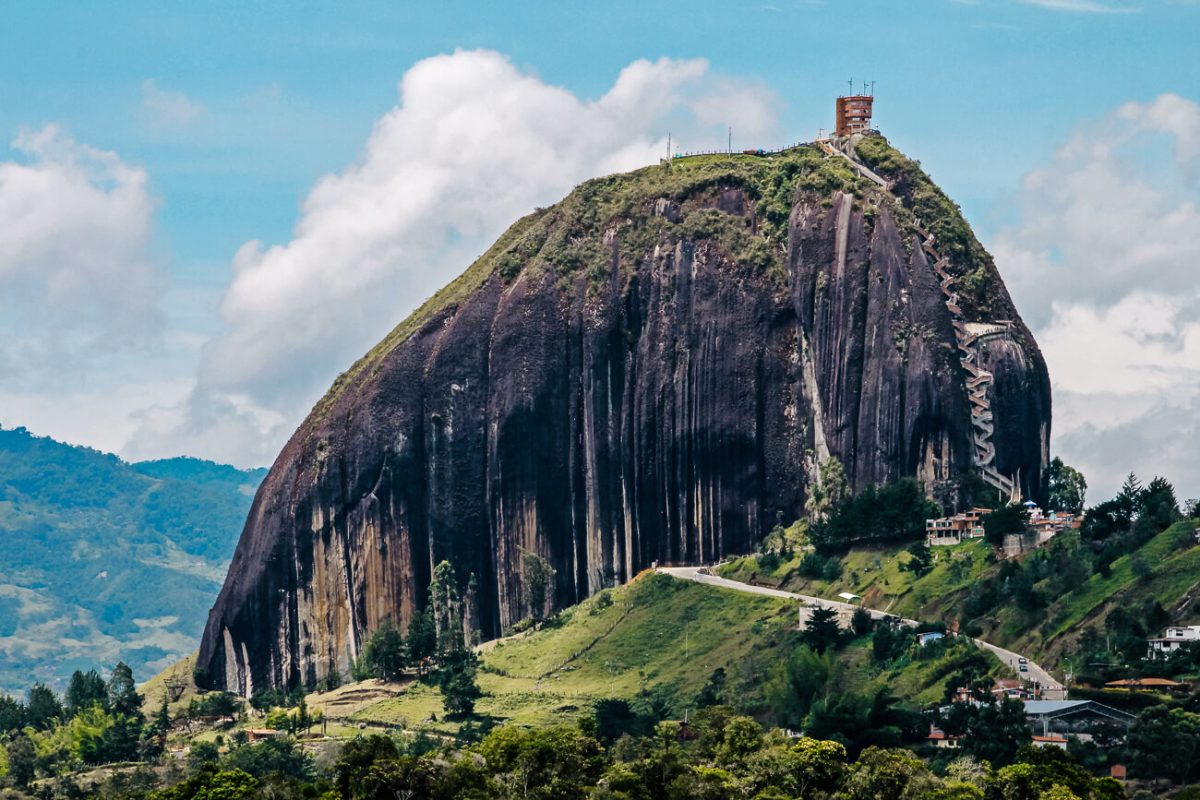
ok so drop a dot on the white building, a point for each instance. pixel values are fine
(1173, 639)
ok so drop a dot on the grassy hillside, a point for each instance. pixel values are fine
(1060, 596)
(656, 640)
(879, 575)
(103, 560)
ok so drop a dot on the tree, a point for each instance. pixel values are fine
(821, 631)
(384, 654)
(537, 573)
(1066, 487)
(1008, 519)
(273, 756)
(123, 697)
(1166, 743)
(614, 718)
(228, 785)
(713, 692)
(552, 762)
(443, 600)
(421, 641)
(829, 491)
(457, 682)
(42, 709)
(12, 714)
(22, 760)
(920, 558)
(85, 690)
(861, 622)
(881, 774)
(996, 731)
(162, 719)
(796, 682)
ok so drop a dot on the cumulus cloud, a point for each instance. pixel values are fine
(473, 143)
(77, 276)
(1102, 264)
(163, 110)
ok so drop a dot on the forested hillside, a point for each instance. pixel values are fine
(101, 559)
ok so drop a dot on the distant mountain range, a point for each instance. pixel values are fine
(103, 560)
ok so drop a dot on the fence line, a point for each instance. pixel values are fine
(751, 152)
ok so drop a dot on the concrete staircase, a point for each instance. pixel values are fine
(968, 335)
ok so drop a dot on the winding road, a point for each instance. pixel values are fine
(1051, 689)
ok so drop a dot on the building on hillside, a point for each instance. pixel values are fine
(1171, 640)
(939, 738)
(854, 114)
(1079, 718)
(1043, 526)
(952, 530)
(1011, 687)
(1051, 740)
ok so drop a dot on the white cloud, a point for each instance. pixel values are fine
(167, 110)
(473, 144)
(77, 275)
(1103, 265)
(1083, 6)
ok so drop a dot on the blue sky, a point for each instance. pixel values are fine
(229, 114)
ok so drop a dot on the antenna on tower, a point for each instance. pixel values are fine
(851, 82)
(872, 88)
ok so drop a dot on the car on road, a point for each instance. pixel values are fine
(1022, 660)
(1024, 668)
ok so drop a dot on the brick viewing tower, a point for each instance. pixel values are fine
(854, 114)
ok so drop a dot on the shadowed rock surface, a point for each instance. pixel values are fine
(649, 371)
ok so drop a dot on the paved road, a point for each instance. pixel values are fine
(1051, 689)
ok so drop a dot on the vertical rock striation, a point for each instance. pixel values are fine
(649, 371)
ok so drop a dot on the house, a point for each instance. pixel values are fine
(1171, 640)
(941, 739)
(1051, 740)
(258, 734)
(1011, 687)
(952, 530)
(925, 638)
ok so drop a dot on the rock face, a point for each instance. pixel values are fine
(650, 371)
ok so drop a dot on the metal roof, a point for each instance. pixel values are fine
(1057, 708)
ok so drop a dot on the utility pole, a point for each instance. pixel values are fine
(731, 140)
(668, 147)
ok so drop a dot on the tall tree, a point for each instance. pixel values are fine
(421, 641)
(821, 631)
(42, 709)
(537, 573)
(12, 714)
(1066, 487)
(385, 652)
(85, 690)
(443, 599)
(457, 682)
(123, 697)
